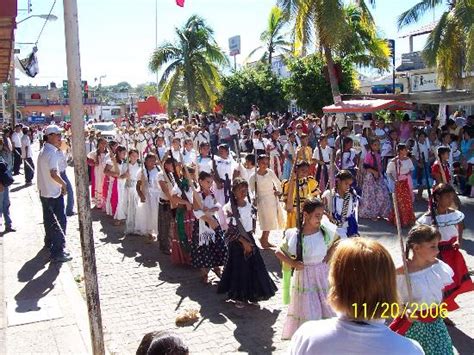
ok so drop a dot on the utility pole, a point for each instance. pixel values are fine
(71, 29)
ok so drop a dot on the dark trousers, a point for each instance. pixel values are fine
(16, 161)
(29, 168)
(70, 194)
(54, 221)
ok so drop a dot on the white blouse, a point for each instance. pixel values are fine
(314, 247)
(427, 285)
(447, 224)
(326, 154)
(405, 167)
(245, 215)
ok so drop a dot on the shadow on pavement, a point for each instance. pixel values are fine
(463, 343)
(254, 324)
(38, 288)
(31, 267)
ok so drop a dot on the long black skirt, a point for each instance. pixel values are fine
(246, 279)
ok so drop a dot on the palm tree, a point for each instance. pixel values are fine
(191, 64)
(332, 28)
(450, 45)
(273, 39)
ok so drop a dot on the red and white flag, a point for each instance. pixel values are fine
(180, 3)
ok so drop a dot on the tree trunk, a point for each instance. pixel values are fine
(336, 95)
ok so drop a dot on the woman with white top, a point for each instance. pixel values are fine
(361, 277)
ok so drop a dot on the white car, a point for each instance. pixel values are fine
(108, 130)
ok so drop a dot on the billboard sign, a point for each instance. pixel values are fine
(234, 45)
(423, 82)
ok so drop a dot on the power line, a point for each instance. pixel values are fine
(45, 21)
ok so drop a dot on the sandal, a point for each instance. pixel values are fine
(218, 272)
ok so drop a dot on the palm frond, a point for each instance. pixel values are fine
(169, 71)
(413, 14)
(163, 54)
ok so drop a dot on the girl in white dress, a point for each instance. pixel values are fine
(114, 173)
(131, 190)
(122, 194)
(148, 190)
(269, 211)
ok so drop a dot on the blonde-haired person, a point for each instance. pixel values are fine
(361, 279)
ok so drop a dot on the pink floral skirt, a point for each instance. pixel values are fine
(309, 288)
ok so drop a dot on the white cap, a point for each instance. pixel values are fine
(52, 129)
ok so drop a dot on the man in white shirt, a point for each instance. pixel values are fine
(202, 136)
(27, 156)
(255, 114)
(16, 141)
(52, 189)
(234, 129)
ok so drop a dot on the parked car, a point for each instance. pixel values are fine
(108, 130)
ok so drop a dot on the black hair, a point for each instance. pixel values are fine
(261, 157)
(161, 343)
(418, 234)
(442, 150)
(401, 146)
(250, 157)
(203, 175)
(311, 204)
(238, 181)
(344, 175)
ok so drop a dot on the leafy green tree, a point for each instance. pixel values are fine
(253, 85)
(194, 61)
(450, 46)
(309, 85)
(272, 38)
(325, 24)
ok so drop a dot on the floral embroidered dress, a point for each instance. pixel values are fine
(375, 199)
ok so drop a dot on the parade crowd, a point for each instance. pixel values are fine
(199, 186)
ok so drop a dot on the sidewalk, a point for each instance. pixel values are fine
(42, 310)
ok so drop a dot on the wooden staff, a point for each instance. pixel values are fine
(402, 248)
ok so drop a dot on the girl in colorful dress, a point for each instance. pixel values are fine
(208, 250)
(148, 190)
(399, 172)
(131, 190)
(428, 278)
(375, 199)
(113, 172)
(342, 204)
(106, 185)
(184, 218)
(450, 225)
(245, 277)
(309, 284)
(440, 170)
(96, 160)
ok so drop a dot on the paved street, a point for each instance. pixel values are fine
(142, 291)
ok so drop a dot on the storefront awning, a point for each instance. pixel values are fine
(8, 11)
(366, 106)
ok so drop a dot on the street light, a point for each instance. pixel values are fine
(44, 17)
(100, 86)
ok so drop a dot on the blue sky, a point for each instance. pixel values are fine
(117, 37)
